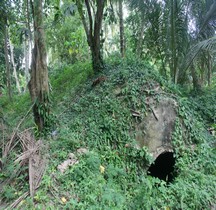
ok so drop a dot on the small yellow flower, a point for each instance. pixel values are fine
(64, 200)
(102, 169)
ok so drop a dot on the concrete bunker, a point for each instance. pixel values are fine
(163, 167)
(155, 132)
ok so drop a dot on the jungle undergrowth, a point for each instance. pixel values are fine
(113, 175)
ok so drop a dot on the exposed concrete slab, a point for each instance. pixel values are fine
(155, 130)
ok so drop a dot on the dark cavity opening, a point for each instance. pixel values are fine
(163, 167)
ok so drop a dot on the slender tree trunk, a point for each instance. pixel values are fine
(38, 84)
(96, 48)
(121, 28)
(106, 45)
(97, 60)
(196, 82)
(8, 74)
(26, 55)
(163, 67)
(93, 29)
(140, 38)
(174, 61)
(14, 65)
(202, 78)
(29, 29)
(209, 67)
(27, 43)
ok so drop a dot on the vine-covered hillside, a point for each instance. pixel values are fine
(95, 132)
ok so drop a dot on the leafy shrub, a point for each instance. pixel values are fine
(205, 104)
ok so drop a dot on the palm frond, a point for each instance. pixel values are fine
(211, 14)
(208, 46)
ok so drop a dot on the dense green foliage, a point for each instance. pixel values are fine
(204, 105)
(66, 79)
(99, 119)
(170, 53)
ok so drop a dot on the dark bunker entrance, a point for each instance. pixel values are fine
(163, 167)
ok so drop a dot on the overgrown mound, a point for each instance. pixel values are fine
(113, 175)
(104, 118)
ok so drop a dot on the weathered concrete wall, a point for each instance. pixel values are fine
(155, 130)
